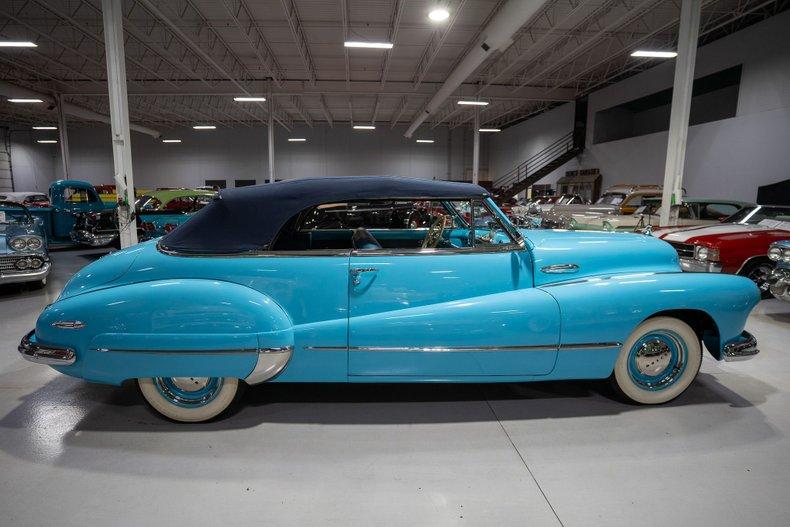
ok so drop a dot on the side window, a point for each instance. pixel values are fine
(78, 195)
(411, 225)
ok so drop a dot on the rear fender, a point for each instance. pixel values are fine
(182, 327)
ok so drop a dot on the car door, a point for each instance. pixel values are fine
(449, 312)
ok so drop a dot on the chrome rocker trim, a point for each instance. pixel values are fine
(51, 355)
(468, 349)
(744, 349)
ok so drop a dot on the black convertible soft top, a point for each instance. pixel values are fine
(248, 218)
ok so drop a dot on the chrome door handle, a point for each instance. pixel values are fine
(356, 271)
(560, 268)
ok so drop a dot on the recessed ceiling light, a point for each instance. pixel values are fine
(24, 100)
(474, 103)
(171, 140)
(364, 127)
(17, 44)
(204, 127)
(45, 128)
(425, 140)
(439, 14)
(249, 99)
(373, 45)
(490, 130)
(47, 141)
(296, 139)
(655, 54)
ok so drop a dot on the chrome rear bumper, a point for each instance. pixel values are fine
(40, 354)
(743, 349)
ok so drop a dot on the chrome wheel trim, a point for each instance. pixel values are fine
(189, 392)
(759, 275)
(657, 360)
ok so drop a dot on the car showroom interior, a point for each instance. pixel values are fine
(395, 262)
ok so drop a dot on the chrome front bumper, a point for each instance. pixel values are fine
(779, 283)
(84, 237)
(692, 265)
(26, 276)
(743, 349)
(40, 354)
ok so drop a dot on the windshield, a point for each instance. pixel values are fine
(754, 215)
(611, 198)
(14, 213)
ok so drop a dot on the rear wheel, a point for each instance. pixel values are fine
(658, 362)
(189, 399)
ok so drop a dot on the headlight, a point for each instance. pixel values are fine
(775, 253)
(786, 257)
(706, 254)
(22, 264)
(35, 243)
(18, 244)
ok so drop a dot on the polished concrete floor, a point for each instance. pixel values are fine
(73, 453)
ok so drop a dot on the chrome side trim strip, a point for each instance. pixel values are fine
(457, 349)
(188, 352)
(560, 268)
(68, 324)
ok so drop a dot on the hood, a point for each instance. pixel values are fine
(598, 253)
(720, 232)
(101, 273)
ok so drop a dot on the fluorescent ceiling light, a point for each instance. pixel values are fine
(439, 15)
(204, 127)
(47, 141)
(490, 130)
(249, 99)
(364, 127)
(655, 54)
(474, 103)
(24, 100)
(17, 44)
(171, 140)
(45, 128)
(296, 139)
(374, 45)
(425, 140)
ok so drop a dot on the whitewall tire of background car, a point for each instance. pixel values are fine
(189, 399)
(660, 359)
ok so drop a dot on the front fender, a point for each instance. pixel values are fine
(181, 327)
(608, 308)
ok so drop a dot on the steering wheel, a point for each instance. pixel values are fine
(434, 234)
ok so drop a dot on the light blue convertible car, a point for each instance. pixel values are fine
(306, 281)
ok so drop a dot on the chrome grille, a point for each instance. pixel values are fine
(7, 264)
(683, 249)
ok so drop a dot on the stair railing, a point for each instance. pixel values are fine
(536, 162)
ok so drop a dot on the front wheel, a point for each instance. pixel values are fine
(658, 362)
(189, 399)
(758, 271)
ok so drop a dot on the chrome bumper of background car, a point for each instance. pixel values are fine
(16, 277)
(50, 355)
(692, 265)
(779, 283)
(84, 237)
(743, 349)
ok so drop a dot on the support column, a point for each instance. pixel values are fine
(476, 149)
(688, 35)
(271, 134)
(63, 138)
(119, 120)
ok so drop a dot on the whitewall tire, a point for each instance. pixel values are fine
(189, 399)
(660, 359)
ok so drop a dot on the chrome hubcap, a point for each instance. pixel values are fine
(653, 357)
(189, 392)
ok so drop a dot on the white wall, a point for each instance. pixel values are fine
(516, 144)
(34, 166)
(241, 153)
(729, 158)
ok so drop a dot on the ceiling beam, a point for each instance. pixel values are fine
(434, 45)
(244, 20)
(397, 13)
(292, 16)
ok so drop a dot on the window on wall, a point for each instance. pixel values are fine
(714, 97)
(217, 183)
(243, 182)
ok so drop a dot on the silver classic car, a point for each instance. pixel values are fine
(23, 250)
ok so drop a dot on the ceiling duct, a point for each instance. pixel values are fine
(497, 36)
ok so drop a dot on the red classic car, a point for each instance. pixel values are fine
(738, 245)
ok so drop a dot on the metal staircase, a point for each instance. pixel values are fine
(537, 167)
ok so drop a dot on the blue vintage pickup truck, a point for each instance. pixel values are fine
(76, 215)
